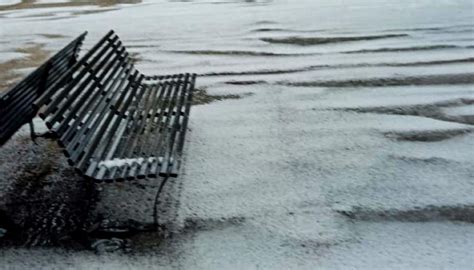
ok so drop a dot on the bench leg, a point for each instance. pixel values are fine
(32, 132)
(155, 205)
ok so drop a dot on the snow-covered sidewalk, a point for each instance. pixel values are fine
(328, 160)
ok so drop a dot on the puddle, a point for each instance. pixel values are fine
(428, 136)
(408, 49)
(235, 53)
(46, 203)
(310, 41)
(464, 213)
(200, 97)
(434, 110)
(199, 224)
(441, 79)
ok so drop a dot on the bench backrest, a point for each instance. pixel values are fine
(16, 104)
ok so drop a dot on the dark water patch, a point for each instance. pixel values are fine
(124, 236)
(54, 18)
(201, 96)
(427, 136)
(443, 29)
(430, 213)
(433, 111)
(414, 109)
(406, 49)
(47, 203)
(237, 53)
(263, 72)
(200, 224)
(263, 22)
(40, 16)
(441, 79)
(469, 39)
(250, 82)
(317, 247)
(256, 72)
(310, 41)
(271, 29)
(435, 62)
(415, 29)
(437, 161)
(108, 228)
(135, 57)
(146, 241)
(96, 11)
(144, 46)
(52, 36)
(458, 31)
(259, 30)
(464, 119)
(341, 66)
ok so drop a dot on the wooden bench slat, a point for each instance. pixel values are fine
(181, 126)
(45, 98)
(139, 170)
(83, 134)
(129, 145)
(68, 93)
(165, 169)
(109, 94)
(151, 126)
(79, 96)
(140, 123)
(95, 133)
(112, 65)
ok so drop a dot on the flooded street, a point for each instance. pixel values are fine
(340, 135)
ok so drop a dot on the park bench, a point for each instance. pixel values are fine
(113, 122)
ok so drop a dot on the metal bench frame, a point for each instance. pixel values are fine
(113, 122)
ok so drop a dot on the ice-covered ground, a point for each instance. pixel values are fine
(354, 148)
